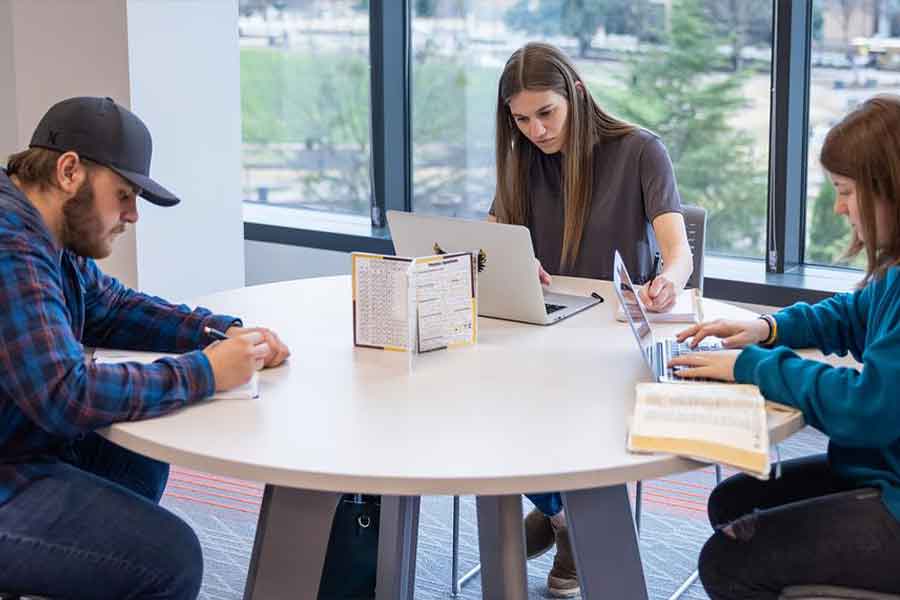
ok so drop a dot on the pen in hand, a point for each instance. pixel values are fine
(214, 333)
(655, 271)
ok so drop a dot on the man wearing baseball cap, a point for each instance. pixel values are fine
(78, 515)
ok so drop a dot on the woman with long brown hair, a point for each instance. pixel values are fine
(831, 519)
(586, 184)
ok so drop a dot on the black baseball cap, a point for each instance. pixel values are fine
(101, 131)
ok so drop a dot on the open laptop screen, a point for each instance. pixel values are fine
(632, 307)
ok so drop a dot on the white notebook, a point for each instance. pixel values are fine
(688, 309)
(246, 391)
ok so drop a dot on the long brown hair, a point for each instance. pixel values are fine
(541, 67)
(865, 147)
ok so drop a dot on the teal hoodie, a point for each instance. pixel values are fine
(858, 410)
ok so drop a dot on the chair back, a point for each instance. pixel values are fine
(695, 224)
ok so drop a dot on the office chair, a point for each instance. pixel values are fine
(695, 225)
(828, 592)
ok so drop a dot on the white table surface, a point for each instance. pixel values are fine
(528, 409)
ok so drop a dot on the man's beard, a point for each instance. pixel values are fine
(82, 228)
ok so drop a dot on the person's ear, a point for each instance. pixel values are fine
(70, 173)
(580, 87)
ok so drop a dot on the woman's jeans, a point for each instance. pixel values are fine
(549, 504)
(93, 530)
(809, 527)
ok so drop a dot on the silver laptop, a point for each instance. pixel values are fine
(656, 352)
(508, 286)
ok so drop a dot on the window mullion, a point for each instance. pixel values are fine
(788, 134)
(391, 118)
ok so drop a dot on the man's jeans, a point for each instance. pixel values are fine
(809, 527)
(549, 504)
(93, 530)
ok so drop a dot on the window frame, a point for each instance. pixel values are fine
(780, 279)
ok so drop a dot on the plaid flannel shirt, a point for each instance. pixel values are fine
(55, 303)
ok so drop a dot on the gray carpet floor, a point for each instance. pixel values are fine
(674, 528)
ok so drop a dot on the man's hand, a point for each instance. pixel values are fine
(735, 334)
(710, 365)
(659, 295)
(278, 352)
(234, 360)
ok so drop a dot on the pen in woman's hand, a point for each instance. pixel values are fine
(655, 270)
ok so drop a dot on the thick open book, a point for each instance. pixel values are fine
(688, 309)
(414, 304)
(719, 423)
(246, 391)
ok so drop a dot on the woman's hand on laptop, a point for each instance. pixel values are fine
(734, 334)
(706, 365)
(543, 276)
(659, 295)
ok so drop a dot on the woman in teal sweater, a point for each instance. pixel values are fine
(831, 519)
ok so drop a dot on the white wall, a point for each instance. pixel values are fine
(185, 85)
(9, 130)
(61, 49)
(175, 64)
(267, 263)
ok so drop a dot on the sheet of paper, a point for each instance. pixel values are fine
(687, 309)
(381, 301)
(242, 392)
(446, 300)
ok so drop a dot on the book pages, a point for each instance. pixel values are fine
(381, 302)
(446, 300)
(721, 423)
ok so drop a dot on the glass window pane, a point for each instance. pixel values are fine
(854, 56)
(696, 72)
(305, 105)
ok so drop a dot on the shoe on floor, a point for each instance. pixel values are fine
(539, 536)
(562, 582)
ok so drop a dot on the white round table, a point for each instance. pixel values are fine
(527, 409)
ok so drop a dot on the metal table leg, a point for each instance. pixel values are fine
(501, 541)
(605, 542)
(291, 540)
(397, 542)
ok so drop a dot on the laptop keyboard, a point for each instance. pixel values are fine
(552, 308)
(674, 348)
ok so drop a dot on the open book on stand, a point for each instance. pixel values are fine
(414, 304)
(713, 422)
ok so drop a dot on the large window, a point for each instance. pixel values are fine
(352, 107)
(854, 56)
(696, 72)
(305, 108)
